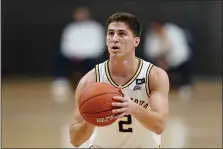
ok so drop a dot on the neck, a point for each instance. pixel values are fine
(123, 66)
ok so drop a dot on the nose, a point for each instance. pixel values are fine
(115, 38)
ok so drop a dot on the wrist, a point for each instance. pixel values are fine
(133, 108)
(88, 125)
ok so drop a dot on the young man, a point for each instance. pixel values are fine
(145, 88)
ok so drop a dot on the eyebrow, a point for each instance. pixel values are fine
(120, 30)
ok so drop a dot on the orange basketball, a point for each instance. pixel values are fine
(95, 104)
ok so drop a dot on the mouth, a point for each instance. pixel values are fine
(115, 48)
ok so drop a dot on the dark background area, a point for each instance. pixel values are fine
(31, 30)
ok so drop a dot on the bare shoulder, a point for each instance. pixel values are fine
(158, 79)
(157, 72)
(87, 79)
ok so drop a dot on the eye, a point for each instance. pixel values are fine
(110, 33)
(122, 34)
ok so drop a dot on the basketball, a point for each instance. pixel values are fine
(95, 104)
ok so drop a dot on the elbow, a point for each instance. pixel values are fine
(161, 124)
(74, 139)
(75, 143)
(159, 130)
(160, 127)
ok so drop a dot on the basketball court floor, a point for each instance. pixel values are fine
(31, 119)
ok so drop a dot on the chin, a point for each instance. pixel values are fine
(116, 55)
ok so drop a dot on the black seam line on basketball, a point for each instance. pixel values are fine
(99, 95)
(97, 112)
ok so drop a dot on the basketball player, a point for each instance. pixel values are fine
(145, 88)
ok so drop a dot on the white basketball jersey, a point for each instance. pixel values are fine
(127, 132)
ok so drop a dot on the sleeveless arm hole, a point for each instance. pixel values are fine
(97, 74)
(147, 79)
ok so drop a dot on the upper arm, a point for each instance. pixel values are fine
(89, 78)
(159, 91)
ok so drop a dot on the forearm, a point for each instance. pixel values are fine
(80, 133)
(148, 118)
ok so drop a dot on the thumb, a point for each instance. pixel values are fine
(121, 90)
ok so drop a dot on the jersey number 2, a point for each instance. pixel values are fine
(126, 122)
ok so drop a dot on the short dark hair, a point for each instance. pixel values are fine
(128, 18)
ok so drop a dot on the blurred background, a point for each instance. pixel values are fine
(47, 46)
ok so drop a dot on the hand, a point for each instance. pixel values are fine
(123, 104)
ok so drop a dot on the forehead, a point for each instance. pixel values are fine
(116, 26)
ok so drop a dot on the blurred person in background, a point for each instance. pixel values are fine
(82, 44)
(167, 45)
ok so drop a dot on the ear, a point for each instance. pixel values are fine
(137, 41)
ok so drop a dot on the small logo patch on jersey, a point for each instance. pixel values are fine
(137, 87)
(140, 81)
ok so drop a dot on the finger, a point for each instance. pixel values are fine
(120, 115)
(119, 98)
(120, 90)
(117, 104)
(121, 110)
(120, 87)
